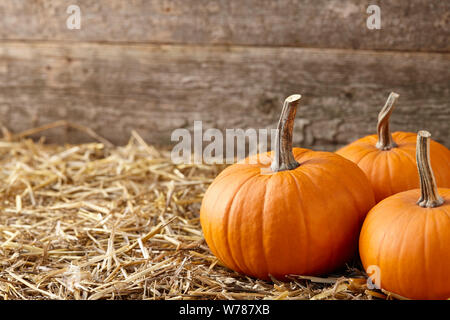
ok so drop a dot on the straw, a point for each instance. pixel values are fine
(96, 221)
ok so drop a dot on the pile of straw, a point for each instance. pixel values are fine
(94, 221)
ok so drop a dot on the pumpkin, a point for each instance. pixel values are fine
(388, 159)
(407, 236)
(290, 211)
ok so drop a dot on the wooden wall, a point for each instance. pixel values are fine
(158, 65)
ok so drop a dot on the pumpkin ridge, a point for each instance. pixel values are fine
(229, 171)
(406, 153)
(227, 210)
(374, 174)
(365, 152)
(402, 152)
(327, 172)
(225, 218)
(402, 248)
(241, 244)
(300, 153)
(440, 233)
(365, 239)
(264, 254)
(379, 252)
(227, 224)
(425, 246)
(212, 240)
(391, 165)
(403, 138)
(446, 208)
(293, 175)
(220, 177)
(332, 256)
(353, 197)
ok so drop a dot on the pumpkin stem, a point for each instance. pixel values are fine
(429, 196)
(283, 156)
(385, 141)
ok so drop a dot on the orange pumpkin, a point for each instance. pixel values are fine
(388, 160)
(407, 242)
(301, 214)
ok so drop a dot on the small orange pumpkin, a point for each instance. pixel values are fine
(301, 214)
(408, 241)
(388, 160)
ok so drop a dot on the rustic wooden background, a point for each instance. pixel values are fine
(157, 65)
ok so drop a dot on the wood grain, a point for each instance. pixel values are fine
(406, 25)
(158, 88)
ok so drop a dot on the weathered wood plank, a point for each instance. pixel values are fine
(158, 88)
(411, 25)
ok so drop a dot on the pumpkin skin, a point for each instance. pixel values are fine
(393, 171)
(388, 159)
(407, 236)
(301, 221)
(410, 245)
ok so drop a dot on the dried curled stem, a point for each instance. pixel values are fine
(385, 141)
(283, 156)
(429, 196)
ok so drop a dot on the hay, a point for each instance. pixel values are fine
(94, 221)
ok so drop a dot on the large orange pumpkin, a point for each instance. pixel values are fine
(388, 159)
(405, 239)
(301, 214)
